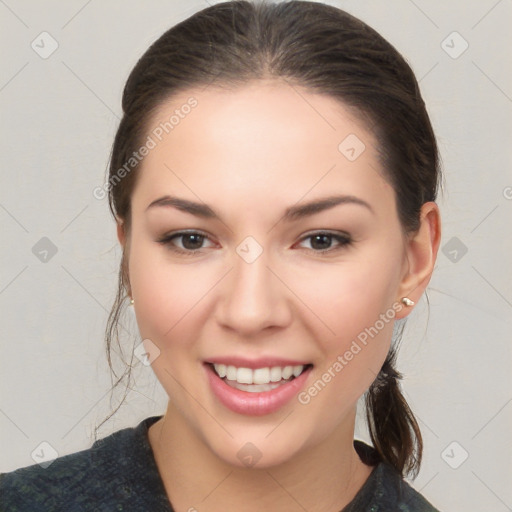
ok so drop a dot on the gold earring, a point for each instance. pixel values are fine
(407, 301)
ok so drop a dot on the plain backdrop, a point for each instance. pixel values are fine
(59, 115)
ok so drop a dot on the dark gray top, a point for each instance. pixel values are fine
(119, 473)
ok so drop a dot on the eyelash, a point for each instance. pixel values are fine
(166, 240)
(343, 239)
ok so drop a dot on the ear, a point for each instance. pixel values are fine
(121, 235)
(421, 248)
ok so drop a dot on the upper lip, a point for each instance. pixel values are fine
(261, 362)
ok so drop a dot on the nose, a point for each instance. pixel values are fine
(253, 299)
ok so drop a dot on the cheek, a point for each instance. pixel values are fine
(357, 307)
(166, 296)
(349, 298)
(171, 308)
(352, 326)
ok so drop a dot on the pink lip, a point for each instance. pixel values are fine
(255, 404)
(262, 362)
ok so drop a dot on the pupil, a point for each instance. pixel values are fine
(321, 241)
(192, 241)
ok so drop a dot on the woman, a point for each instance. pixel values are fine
(273, 181)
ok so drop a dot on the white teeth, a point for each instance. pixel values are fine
(221, 370)
(259, 376)
(244, 375)
(230, 372)
(252, 388)
(297, 370)
(275, 374)
(287, 372)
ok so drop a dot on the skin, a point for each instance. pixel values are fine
(250, 153)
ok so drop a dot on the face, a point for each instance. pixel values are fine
(260, 246)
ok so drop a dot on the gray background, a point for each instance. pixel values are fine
(59, 116)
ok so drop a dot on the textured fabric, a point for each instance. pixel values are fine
(119, 473)
(385, 490)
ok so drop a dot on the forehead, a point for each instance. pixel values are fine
(266, 139)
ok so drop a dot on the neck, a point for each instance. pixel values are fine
(324, 478)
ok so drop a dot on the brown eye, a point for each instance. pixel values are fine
(185, 241)
(192, 241)
(323, 242)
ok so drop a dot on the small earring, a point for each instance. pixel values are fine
(132, 302)
(407, 301)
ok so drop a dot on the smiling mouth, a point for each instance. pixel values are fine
(257, 380)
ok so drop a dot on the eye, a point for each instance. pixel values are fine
(322, 241)
(186, 241)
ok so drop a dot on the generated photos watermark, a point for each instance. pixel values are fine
(357, 345)
(157, 135)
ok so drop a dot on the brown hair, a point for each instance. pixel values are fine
(325, 50)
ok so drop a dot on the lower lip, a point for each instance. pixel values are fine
(255, 404)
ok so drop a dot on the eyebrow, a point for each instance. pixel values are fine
(319, 205)
(185, 205)
(291, 213)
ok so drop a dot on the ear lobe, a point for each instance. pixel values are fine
(422, 247)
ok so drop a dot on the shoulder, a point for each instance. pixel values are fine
(38, 488)
(385, 489)
(113, 471)
(407, 498)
